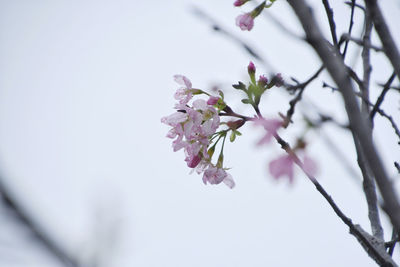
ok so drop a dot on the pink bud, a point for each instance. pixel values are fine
(262, 81)
(239, 2)
(212, 100)
(245, 22)
(251, 68)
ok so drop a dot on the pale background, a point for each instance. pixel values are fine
(83, 85)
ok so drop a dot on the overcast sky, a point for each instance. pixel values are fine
(83, 85)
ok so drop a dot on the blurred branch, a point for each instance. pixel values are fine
(389, 46)
(347, 37)
(41, 236)
(301, 87)
(378, 110)
(218, 28)
(368, 179)
(381, 97)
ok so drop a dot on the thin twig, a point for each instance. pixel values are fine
(220, 29)
(294, 101)
(332, 25)
(352, 5)
(381, 97)
(379, 111)
(346, 37)
(392, 243)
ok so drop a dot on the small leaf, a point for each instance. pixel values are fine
(245, 101)
(239, 86)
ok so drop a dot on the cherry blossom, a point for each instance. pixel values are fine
(282, 166)
(270, 125)
(193, 125)
(245, 22)
(214, 175)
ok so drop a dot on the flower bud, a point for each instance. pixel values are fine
(251, 68)
(262, 81)
(240, 2)
(277, 80)
(235, 124)
(212, 100)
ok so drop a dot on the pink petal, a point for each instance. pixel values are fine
(182, 80)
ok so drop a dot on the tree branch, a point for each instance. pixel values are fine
(386, 38)
(359, 127)
(371, 245)
(51, 246)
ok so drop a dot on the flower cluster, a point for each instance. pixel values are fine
(193, 127)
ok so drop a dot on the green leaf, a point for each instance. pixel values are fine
(239, 86)
(245, 101)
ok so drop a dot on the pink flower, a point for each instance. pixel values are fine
(271, 126)
(245, 22)
(193, 125)
(282, 166)
(193, 156)
(183, 94)
(174, 119)
(214, 175)
(212, 100)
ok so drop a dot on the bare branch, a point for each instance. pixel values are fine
(346, 37)
(371, 245)
(358, 123)
(351, 23)
(368, 179)
(218, 28)
(381, 97)
(332, 25)
(301, 87)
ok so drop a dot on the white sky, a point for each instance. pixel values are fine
(83, 85)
